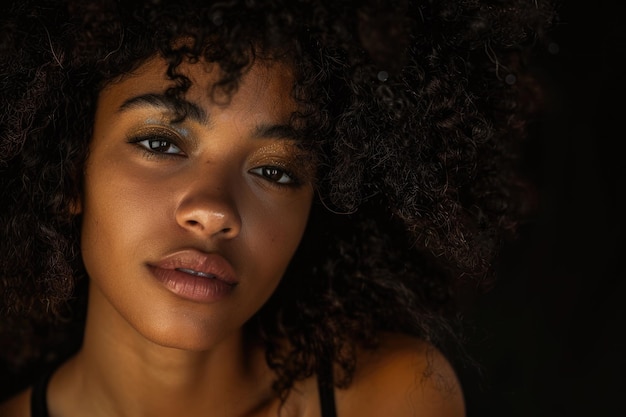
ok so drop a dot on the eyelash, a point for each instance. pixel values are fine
(261, 171)
(164, 139)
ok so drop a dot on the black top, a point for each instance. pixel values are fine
(38, 402)
(325, 386)
(326, 389)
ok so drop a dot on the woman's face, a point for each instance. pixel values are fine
(189, 225)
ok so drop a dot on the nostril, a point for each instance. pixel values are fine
(208, 218)
(195, 224)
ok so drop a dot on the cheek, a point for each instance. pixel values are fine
(116, 212)
(275, 232)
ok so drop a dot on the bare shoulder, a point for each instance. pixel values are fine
(17, 406)
(405, 376)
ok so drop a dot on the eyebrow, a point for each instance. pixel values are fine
(278, 131)
(175, 105)
(197, 113)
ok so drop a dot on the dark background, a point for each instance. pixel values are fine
(549, 334)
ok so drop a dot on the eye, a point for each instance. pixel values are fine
(160, 146)
(275, 174)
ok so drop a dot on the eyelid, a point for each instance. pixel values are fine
(148, 131)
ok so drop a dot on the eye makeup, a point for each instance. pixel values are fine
(283, 158)
(182, 131)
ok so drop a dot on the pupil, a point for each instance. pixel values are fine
(159, 145)
(272, 173)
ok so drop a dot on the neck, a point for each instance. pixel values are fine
(119, 372)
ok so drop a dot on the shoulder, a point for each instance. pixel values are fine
(17, 406)
(404, 376)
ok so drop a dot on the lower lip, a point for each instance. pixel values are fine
(192, 287)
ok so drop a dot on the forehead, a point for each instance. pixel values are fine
(264, 89)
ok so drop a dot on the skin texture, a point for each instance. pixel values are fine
(197, 187)
(205, 196)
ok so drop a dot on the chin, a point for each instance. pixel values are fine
(192, 337)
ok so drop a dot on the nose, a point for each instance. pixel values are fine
(210, 213)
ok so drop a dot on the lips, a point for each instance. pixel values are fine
(195, 276)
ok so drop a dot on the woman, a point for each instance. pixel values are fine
(255, 208)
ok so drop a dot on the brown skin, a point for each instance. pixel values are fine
(149, 351)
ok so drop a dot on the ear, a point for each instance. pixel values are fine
(76, 206)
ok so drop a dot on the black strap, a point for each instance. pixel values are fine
(38, 400)
(326, 389)
(325, 386)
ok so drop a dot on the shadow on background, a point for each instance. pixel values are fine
(550, 333)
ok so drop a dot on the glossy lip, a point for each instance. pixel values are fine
(196, 276)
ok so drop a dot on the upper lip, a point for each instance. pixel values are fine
(199, 263)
